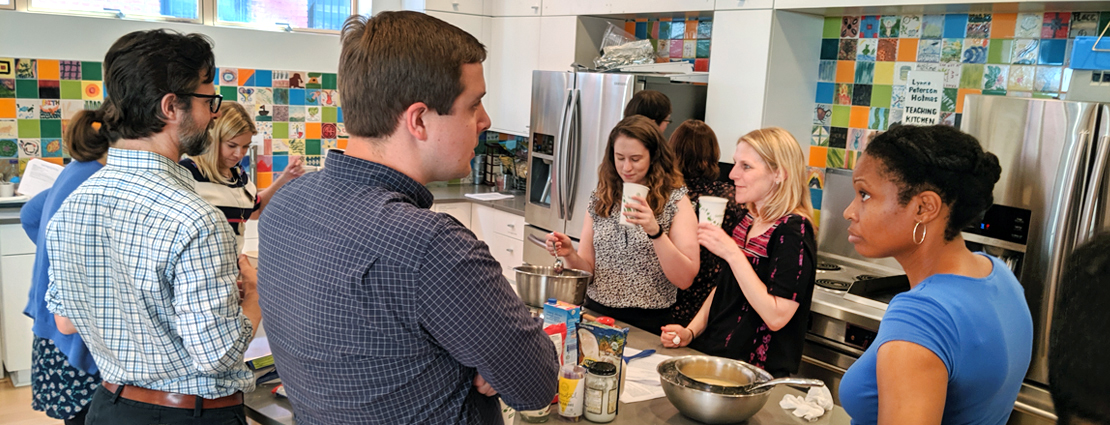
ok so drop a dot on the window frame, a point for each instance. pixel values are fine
(28, 6)
(215, 21)
(9, 6)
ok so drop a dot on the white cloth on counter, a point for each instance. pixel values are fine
(641, 377)
(813, 406)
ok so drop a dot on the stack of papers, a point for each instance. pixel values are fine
(641, 379)
(491, 196)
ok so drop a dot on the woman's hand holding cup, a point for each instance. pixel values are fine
(713, 238)
(641, 215)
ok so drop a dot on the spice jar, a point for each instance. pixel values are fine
(601, 392)
(571, 392)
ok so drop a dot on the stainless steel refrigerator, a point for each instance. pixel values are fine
(1052, 195)
(572, 115)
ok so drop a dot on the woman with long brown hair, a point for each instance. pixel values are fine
(637, 269)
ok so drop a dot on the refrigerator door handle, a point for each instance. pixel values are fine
(1069, 174)
(574, 143)
(1094, 190)
(560, 153)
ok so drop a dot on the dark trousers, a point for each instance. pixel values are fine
(78, 419)
(650, 320)
(108, 409)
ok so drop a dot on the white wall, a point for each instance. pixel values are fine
(791, 80)
(49, 36)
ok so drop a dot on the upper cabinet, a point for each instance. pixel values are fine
(515, 7)
(738, 75)
(610, 7)
(744, 4)
(469, 7)
(518, 46)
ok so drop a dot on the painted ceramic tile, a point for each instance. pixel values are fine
(902, 72)
(979, 25)
(9, 148)
(1048, 79)
(1026, 51)
(843, 94)
(1028, 25)
(705, 29)
(265, 130)
(296, 114)
(948, 101)
(1021, 78)
(280, 79)
(819, 136)
(51, 148)
(1053, 52)
(897, 97)
(246, 95)
(229, 76)
(1084, 24)
(932, 26)
(50, 109)
(861, 95)
(869, 27)
(866, 50)
(27, 109)
(92, 90)
(328, 131)
(281, 96)
(815, 178)
(296, 147)
(689, 49)
(911, 26)
(865, 72)
(328, 144)
(975, 50)
(281, 113)
(895, 116)
(995, 76)
(971, 76)
(826, 71)
(279, 146)
(71, 70)
(857, 138)
(7, 88)
(849, 27)
(835, 158)
(7, 68)
(331, 97)
(877, 120)
(953, 48)
(975, 18)
(29, 148)
(952, 72)
(889, 26)
(822, 114)
(313, 114)
(847, 49)
(263, 95)
(929, 51)
(9, 128)
(676, 48)
(70, 108)
(887, 50)
(341, 130)
(948, 118)
(297, 79)
(1000, 51)
(296, 130)
(264, 112)
(26, 69)
(1055, 25)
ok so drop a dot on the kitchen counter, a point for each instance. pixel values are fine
(10, 215)
(457, 193)
(268, 410)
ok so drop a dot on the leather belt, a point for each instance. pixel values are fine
(175, 400)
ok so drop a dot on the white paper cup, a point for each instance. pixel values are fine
(7, 189)
(630, 190)
(711, 209)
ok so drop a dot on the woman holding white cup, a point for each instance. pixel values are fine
(640, 236)
(759, 309)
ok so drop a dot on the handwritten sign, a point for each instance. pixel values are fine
(924, 91)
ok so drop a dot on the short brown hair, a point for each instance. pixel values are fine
(396, 59)
(696, 151)
(651, 104)
(662, 176)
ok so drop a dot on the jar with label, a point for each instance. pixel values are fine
(601, 392)
(535, 416)
(571, 392)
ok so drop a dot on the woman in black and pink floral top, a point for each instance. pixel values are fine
(697, 153)
(759, 309)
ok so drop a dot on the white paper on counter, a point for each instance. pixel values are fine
(38, 176)
(641, 380)
(491, 196)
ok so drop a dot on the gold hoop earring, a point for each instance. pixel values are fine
(924, 231)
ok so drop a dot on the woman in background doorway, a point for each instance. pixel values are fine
(652, 104)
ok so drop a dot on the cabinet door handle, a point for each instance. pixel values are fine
(509, 249)
(511, 226)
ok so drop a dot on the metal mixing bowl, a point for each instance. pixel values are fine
(708, 406)
(535, 284)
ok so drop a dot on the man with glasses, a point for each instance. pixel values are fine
(143, 267)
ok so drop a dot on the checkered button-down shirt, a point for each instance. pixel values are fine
(145, 269)
(379, 310)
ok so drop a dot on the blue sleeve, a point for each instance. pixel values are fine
(470, 310)
(920, 319)
(30, 216)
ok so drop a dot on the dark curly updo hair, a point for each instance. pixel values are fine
(941, 159)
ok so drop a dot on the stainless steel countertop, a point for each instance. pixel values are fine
(457, 193)
(268, 410)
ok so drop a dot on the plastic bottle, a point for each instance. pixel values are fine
(571, 392)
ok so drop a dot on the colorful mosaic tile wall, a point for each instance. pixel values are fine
(682, 38)
(297, 112)
(865, 60)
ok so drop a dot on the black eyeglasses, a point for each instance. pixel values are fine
(214, 100)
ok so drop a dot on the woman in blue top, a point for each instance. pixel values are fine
(955, 347)
(63, 373)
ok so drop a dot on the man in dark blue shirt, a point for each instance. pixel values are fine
(379, 310)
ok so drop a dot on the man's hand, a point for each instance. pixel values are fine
(248, 279)
(484, 387)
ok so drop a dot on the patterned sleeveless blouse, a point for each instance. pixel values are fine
(627, 272)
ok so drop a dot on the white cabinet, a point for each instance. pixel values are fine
(518, 46)
(459, 210)
(478, 26)
(738, 75)
(17, 259)
(515, 7)
(503, 232)
(596, 7)
(470, 7)
(744, 4)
